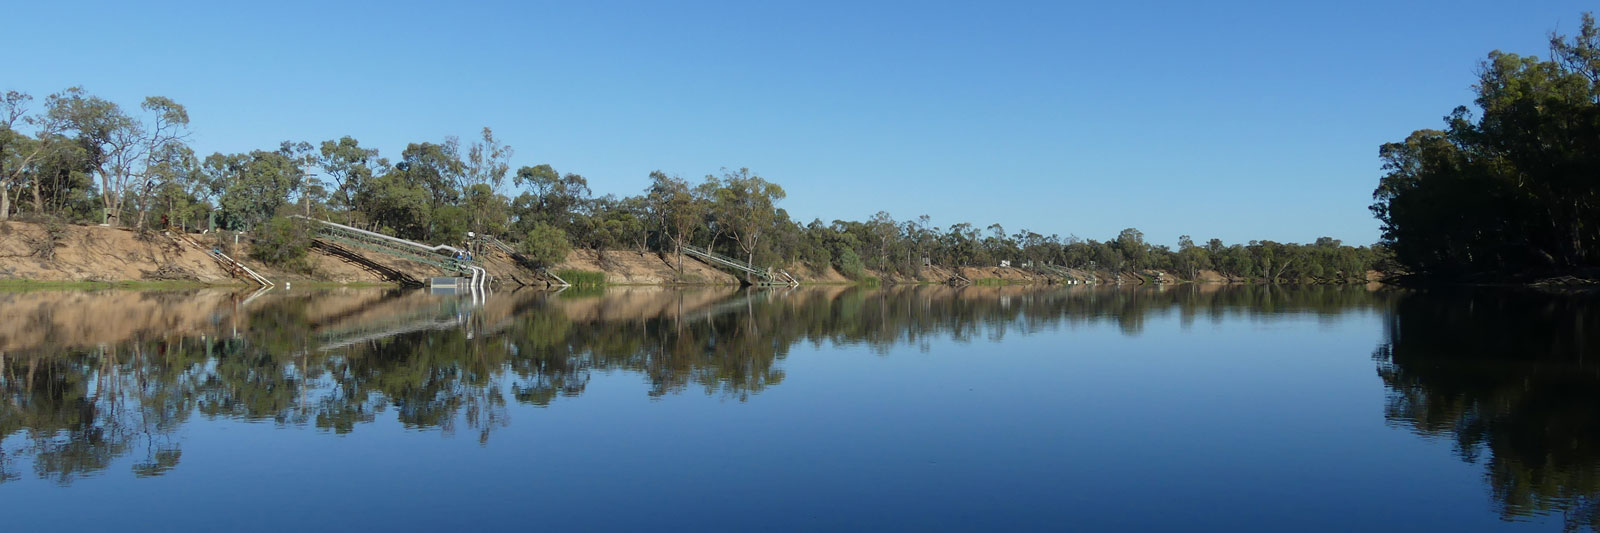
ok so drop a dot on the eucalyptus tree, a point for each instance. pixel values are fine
(62, 180)
(173, 172)
(1511, 190)
(18, 151)
(438, 170)
(125, 147)
(675, 208)
(1191, 259)
(435, 167)
(395, 205)
(554, 197)
(883, 231)
(255, 186)
(488, 161)
(1130, 243)
(744, 207)
(350, 166)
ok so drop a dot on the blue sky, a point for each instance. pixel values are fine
(1246, 120)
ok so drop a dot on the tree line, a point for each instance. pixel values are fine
(1513, 190)
(84, 159)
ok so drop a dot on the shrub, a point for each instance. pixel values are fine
(850, 264)
(545, 244)
(816, 257)
(583, 278)
(281, 242)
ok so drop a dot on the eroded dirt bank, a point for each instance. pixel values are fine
(29, 251)
(95, 253)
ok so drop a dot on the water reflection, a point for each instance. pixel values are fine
(1512, 379)
(86, 378)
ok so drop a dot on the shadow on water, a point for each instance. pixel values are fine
(1513, 379)
(89, 378)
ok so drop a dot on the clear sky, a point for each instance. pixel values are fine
(1243, 120)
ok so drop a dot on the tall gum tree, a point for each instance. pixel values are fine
(18, 152)
(676, 209)
(350, 166)
(488, 161)
(744, 206)
(125, 147)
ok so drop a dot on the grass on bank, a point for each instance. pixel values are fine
(20, 285)
(582, 278)
(23, 285)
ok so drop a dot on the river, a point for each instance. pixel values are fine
(1190, 407)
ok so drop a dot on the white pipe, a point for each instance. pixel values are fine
(558, 279)
(483, 284)
(258, 277)
(477, 286)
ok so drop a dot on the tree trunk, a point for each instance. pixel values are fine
(38, 200)
(142, 210)
(1575, 235)
(107, 200)
(679, 250)
(5, 199)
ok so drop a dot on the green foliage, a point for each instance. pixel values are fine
(1512, 191)
(450, 224)
(674, 203)
(350, 167)
(545, 244)
(256, 186)
(582, 278)
(490, 212)
(396, 206)
(743, 206)
(282, 242)
(437, 168)
(850, 264)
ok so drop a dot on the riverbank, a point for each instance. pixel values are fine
(35, 256)
(68, 256)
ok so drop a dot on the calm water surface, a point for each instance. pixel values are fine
(1189, 408)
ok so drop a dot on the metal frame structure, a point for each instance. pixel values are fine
(409, 250)
(1060, 271)
(767, 276)
(518, 257)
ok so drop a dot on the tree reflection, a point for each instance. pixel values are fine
(1512, 379)
(336, 361)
